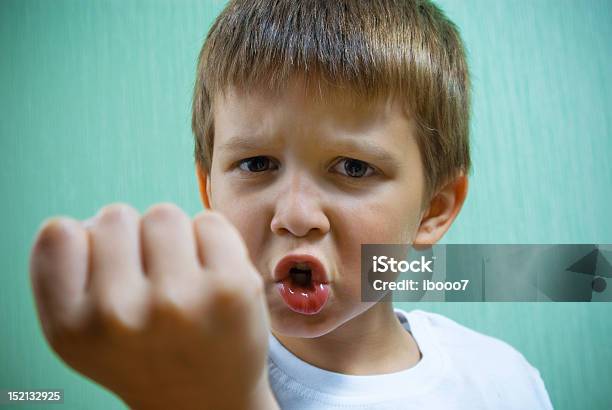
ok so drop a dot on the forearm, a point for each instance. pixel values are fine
(262, 398)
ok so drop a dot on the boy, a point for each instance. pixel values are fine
(318, 126)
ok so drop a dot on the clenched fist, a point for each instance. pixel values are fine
(164, 311)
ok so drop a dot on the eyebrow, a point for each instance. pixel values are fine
(242, 143)
(371, 149)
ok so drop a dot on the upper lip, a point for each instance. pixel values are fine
(283, 267)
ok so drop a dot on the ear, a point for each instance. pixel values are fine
(204, 183)
(442, 211)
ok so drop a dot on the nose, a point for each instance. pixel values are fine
(298, 209)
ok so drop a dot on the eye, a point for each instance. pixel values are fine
(256, 164)
(353, 168)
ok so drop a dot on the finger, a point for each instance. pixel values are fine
(116, 282)
(168, 244)
(227, 267)
(59, 269)
(219, 243)
(231, 281)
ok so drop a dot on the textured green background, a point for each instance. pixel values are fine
(94, 108)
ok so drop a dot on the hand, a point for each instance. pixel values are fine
(163, 311)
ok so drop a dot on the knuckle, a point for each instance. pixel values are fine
(55, 231)
(228, 293)
(164, 305)
(118, 212)
(211, 220)
(227, 305)
(252, 285)
(220, 286)
(106, 318)
(165, 212)
(209, 224)
(64, 332)
(103, 312)
(173, 306)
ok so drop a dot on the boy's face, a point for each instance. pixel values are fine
(317, 178)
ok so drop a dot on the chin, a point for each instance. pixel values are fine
(291, 324)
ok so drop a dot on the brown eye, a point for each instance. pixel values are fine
(354, 168)
(256, 164)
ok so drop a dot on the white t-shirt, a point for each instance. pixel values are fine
(460, 369)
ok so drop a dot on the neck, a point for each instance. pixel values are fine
(374, 342)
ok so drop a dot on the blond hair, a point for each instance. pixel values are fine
(371, 48)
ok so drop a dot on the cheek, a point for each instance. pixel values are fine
(380, 220)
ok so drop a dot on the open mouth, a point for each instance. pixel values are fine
(301, 275)
(301, 281)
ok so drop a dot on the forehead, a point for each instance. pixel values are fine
(308, 109)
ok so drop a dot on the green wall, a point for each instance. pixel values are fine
(94, 108)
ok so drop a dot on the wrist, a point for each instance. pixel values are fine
(260, 398)
(263, 397)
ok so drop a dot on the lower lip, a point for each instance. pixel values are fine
(307, 300)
